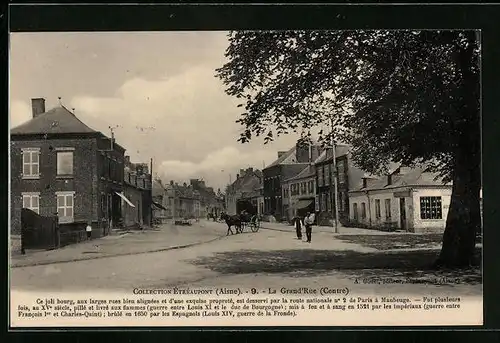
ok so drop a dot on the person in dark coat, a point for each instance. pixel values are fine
(298, 226)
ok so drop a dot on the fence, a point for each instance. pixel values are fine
(38, 232)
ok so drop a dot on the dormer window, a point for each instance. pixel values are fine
(389, 179)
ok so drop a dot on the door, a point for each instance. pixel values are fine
(402, 213)
(110, 213)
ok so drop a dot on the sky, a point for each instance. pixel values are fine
(157, 89)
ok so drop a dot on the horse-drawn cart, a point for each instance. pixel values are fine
(252, 222)
(241, 222)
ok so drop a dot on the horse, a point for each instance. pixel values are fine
(232, 221)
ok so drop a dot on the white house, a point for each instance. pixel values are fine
(408, 199)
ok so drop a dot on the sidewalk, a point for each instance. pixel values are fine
(342, 230)
(166, 237)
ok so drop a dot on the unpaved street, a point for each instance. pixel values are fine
(268, 258)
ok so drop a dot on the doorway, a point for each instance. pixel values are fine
(402, 213)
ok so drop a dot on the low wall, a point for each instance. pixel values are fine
(73, 233)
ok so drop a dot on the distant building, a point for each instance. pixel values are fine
(181, 201)
(348, 178)
(246, 193)
(61, 166)
(136, 203)
(408, 199)
(289, 164)
(210, 202)
(160, 202)
(299, 193)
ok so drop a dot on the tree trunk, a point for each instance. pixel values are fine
(464, 215)
(462, 223)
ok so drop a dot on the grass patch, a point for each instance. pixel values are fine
(397, 241)
(389, 266)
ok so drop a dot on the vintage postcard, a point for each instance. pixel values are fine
(245, 178)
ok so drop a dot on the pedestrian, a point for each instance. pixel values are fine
(298, 226)
(89, 230)
(309, 222)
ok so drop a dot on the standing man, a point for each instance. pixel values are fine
(89, 229)
(309, 221)
(298, 226)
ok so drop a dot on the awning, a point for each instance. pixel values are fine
(125, 199)
(159, 206)
(303, 204)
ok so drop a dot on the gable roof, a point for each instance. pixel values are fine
(307, 172)
(340, 150)
(250, 177)
(56, 120)
(285, 158)
(414, 177)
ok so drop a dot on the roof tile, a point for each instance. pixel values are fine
(56, 120)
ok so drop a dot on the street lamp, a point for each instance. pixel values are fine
(333, 183)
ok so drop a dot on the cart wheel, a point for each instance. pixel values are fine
(255, 226)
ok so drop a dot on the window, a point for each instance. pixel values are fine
(102, 161)
(31, 201)
(65, 163)
(341, 172)
(108, 168)
(31, 163)
(431, 208)
(65, 206)
(355, 211)
(377, 209)
(320, 177)
(103, 203)
(388, 208)
(363, 210)
(310, 186)
(342, 201)
(328, 202)
(326, 174)
(323, 202)
(303, 188)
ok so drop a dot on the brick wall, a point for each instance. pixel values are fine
(83, 182)
(132, 215)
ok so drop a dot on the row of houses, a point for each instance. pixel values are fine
(62, 167)
(185, 201)
(302, 180)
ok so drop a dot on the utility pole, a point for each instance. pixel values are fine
(151, 194)
(173, 202)
(333, 179)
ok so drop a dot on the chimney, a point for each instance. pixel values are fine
(37, 106)
(242, 172)
(237, 176)
(171, 182)
(127, 160)
(281, 153)
(302, 151)
(365, 182)
(250, 170)
(389, 179)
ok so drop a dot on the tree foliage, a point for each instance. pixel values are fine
(394, 95)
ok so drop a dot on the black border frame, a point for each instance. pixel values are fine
(162, 17)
